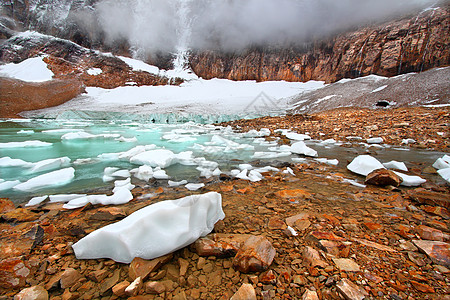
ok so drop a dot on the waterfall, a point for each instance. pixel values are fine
(181, 66)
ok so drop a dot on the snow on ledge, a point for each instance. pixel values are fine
(30, 70)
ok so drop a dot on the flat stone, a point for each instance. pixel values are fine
(312, 257)
(310, 295)
(109, 282)
(119, 289)
(437, 210)
(302, 225)
(245, 292)
(350, 291)
(184, 264)
(142, 268)
(268, 277)
(316, 236)
(297, 193)
(424, 288)
(424, 196)
(154, 287)
(36, 292)
(374, 245)
(20, 215)
(428, 233)
(438, 252)
(373, 226)
(69, 277)
(108, 214)
(13, 273)
(255, 255)
(383, 177)
(346, 264)
(334, 248)
(220, 244)
(276, 223)
(98, 275)
(291, 220)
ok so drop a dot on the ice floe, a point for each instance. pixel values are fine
(364, 164)
(155, 230)
(36, 200)
(8, 184)
(50, 164)
(445, 173)
(26, 144)
(155, 158)
(14, 162)
(65, 197)
(121, 196)
(301, 148)
(55, 178)
(442, 163)
(375, 140)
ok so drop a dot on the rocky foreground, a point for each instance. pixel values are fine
(310, 235)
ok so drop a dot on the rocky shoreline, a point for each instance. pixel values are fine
(332, 240)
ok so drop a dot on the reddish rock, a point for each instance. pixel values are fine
(276, 223)
(268, 277)
(142, 268)
(372, 277)
(298, 193)
(312, 258)
(375, 245)
(17, 96)
(98, 275)
(36, 292)
(334, 248)
(438, 252)
(255, 255)
(424, 288)
(424, 196)
(108, 283)
(154, 287)
(220, 244)
(119, 289)
(245, 292)
(316, 236)
(331, 219)
(428, 233)
(350, 291)
(13, 273)
(346, 264)
(292, 220)
(6, 205)
(383, 177)
(108, 214)
(373, 226)
(69, 277)
(20, 215)
(437, 210)
(184, 264)
(310, 295)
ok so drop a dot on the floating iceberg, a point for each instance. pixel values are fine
(50, 164)
(14, 162)
(6, 185)
(364, 164)
(26, 144)
(301, 148)
(155, 230)
(54, 178)
(154, 158)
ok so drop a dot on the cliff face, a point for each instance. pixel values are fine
(411, 44)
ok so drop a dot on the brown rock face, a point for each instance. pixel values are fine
(255, 255)
(408, 45)
(17, 96)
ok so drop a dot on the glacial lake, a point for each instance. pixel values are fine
(91, 147)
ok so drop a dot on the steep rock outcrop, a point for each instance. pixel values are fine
(411, 44)
(17, 96)
(69, 60)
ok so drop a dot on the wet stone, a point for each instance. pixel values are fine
(428, 233)
(350, 291)
(383, 177)
(220, 244)
(119, 289)
(245, 292)
(438, 252)
(35, 292)
(255, 255)
(6, 205)
(142, 268)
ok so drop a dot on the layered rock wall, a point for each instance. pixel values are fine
(412, 44)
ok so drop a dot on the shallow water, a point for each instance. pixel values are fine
(86, 153)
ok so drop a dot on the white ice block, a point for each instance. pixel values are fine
(155, 230)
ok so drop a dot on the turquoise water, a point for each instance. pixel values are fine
(84, 153)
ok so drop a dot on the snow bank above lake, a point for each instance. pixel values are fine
(32, 70)
(155, 230)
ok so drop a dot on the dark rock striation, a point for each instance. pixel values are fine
(412, 44)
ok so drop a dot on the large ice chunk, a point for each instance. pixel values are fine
(54, 178)
(410, 180)
(301, 148)
(121, 195)
(26, 144)
(155, 230)
(364, 164)
(14, 162)
(445, 173)
(442, 163)
(154, 158)
(50, 164)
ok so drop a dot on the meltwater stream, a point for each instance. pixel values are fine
(186, 151)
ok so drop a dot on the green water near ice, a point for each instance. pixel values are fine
(88, 176)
